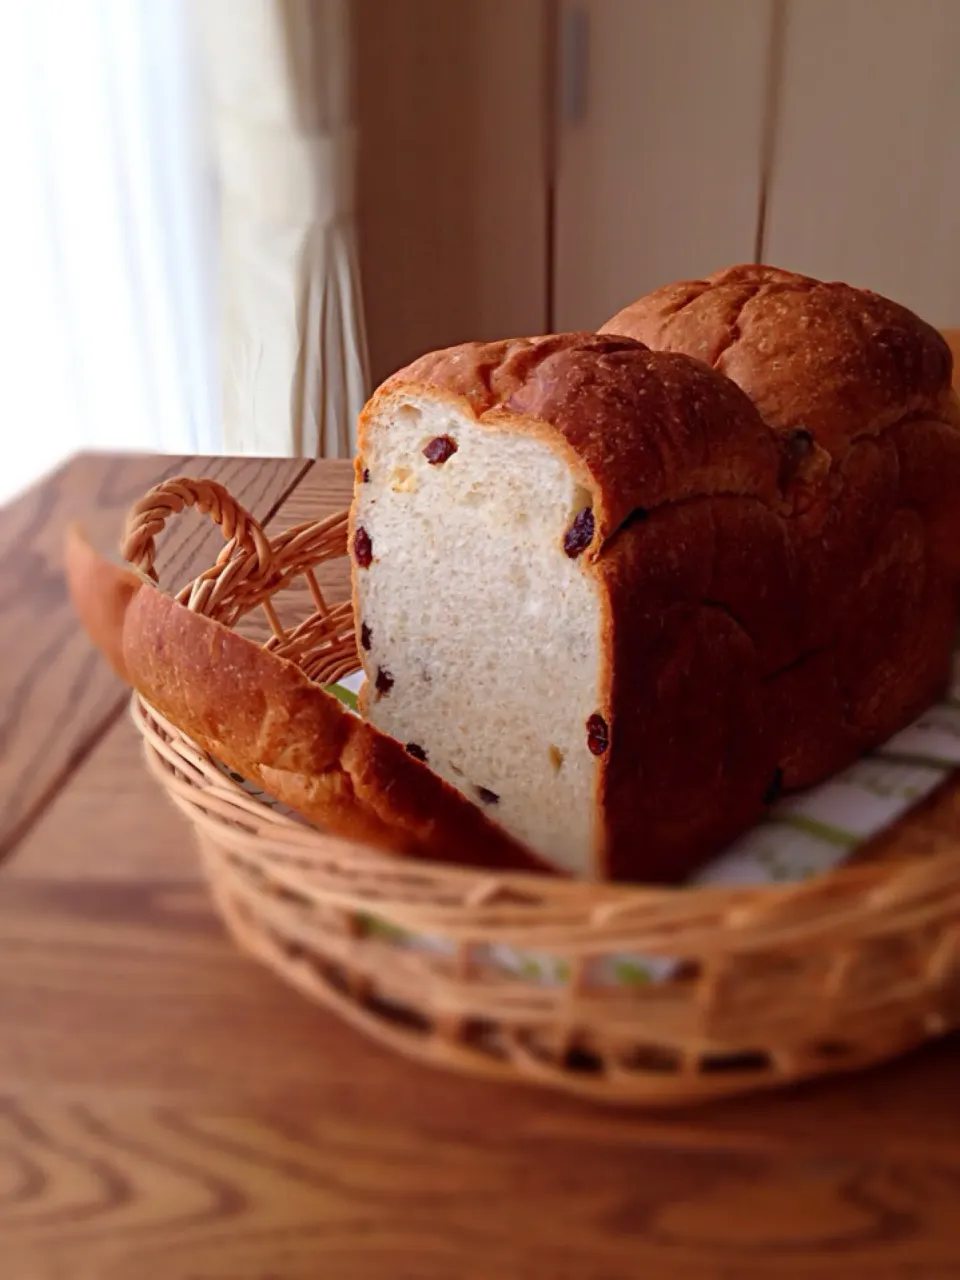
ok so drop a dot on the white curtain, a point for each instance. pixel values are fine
(292, 343)
(106, 312)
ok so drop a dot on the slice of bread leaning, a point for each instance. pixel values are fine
(548, 538)
(260, 715)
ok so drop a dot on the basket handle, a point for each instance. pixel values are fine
(147, 518)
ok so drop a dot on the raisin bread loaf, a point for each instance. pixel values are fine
(620, 609)
(857, 392)
(534, 623)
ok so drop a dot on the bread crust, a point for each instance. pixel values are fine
(858, 391)
(866, 380)
(839, 362)
(260, 715)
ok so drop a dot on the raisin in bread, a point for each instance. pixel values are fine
(535, 622)
(857, 391)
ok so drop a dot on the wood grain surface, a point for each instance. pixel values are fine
(173, 1111)
(166, 1191)
(56, 695)
(169, 1111)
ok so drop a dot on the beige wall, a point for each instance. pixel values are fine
(866, 183)
(660, 179)
(451, 184)
(854, 104)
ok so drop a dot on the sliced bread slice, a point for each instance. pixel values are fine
(260, 715)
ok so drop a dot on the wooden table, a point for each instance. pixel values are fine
(170, 1111)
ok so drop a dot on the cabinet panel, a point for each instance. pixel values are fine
(866, 180)
(659, 178)
(452, 190)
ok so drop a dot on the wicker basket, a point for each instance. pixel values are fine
(759, 986)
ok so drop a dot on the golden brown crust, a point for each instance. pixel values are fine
(858, 392)
(833, 360)
(865, 561)
(692, 752)
(260, 715)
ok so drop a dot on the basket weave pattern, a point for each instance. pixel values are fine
(766, 985)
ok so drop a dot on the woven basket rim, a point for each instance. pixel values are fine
(303, 832)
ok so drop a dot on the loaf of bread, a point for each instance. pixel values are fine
(532, 619)
(260, 715)
(621, 602)
(856, 391)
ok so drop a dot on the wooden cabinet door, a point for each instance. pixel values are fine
(658, 150)
(452, 183)
(865, 184)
